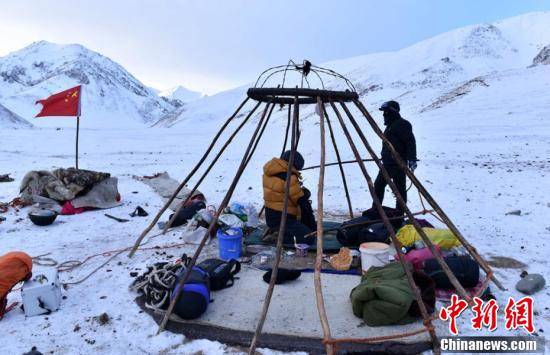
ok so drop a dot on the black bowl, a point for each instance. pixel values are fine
(42, 217)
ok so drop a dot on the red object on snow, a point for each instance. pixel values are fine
(418, 256)
(69, 209)
(65, 103)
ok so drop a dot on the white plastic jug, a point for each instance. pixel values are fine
(374, 254)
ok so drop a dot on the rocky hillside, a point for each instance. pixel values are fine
(9, 119)
(543, 57)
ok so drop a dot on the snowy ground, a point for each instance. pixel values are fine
(73, 329)
(480, 158)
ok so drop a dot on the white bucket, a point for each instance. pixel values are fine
(373, 254)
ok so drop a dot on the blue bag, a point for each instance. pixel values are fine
(195, 296)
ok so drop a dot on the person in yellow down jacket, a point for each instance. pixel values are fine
(300, 219)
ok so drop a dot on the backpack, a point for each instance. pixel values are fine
(463, 267)
(376, 232)
(220, 273)
(14, 267)
(187, 212)
(194, 298)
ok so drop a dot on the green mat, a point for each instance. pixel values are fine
(330, 243)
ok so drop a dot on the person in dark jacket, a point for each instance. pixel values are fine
(300, 218)
(400, 135)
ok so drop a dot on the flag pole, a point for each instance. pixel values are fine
(77, 130)
(78, 126)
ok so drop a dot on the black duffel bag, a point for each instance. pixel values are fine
(349, 236)
(362, 233)
(372, 214)
(465, 269)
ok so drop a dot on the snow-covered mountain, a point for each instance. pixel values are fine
(425, 75)
(9, 119)
(112, 97)
(181, 94)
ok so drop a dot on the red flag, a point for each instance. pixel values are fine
(65, 103)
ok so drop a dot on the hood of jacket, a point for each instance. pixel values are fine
(276, 166)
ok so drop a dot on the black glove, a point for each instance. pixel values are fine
(307, 217)
(412, 164)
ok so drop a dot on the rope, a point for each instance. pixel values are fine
(375, 339)
(70, 265)
(117, 253)
(431, 212)
(95, 270)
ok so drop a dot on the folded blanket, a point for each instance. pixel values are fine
(60, 185)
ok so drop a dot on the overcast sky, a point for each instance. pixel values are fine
(215, 45)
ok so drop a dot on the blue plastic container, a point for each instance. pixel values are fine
(229, 243)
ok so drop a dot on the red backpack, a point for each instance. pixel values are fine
(14, 267)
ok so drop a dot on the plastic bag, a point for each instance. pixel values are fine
(253, 219)
(238, 210)
(192, 233)
(231, 220)
(205, 216)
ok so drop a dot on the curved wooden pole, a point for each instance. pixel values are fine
(344, 182)
(388, 226)
(261, 133)
(283, 150)
(319, 256)
(298, 133)
(335, 163)
(222, 206)
(473, 252)
(184, 182)
(435, 252)
(207, 171)
(280, 236)
(287, 128)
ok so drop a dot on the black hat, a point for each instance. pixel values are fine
(390, 106)
(298, 159)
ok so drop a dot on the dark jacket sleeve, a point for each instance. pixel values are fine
(307, 216)
(409, 141)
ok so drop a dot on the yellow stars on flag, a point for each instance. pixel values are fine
(70, 95)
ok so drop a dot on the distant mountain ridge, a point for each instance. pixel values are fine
(111, 95)
(182, 94)
(425, 76)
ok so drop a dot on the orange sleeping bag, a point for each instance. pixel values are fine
(15, 267)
